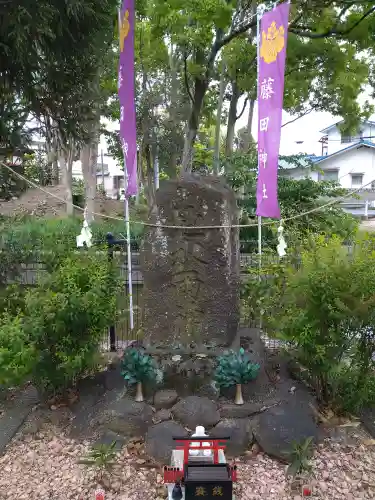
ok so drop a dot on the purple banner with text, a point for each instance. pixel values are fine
(128, 134)
(272, 52)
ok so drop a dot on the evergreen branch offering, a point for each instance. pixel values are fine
(138, 367)
(235, 368)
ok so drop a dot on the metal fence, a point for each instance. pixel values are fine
(120, 334)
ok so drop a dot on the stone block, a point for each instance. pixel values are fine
(191, 276)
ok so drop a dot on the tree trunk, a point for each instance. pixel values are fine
(55, 164)
(248, 139)
(173, 62)
(223, 85)
(200, 88)
(89, 161)
(232, 118)
(66, 163)
(51, 147)
(149, 177)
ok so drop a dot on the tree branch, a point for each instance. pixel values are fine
(297, 117)
(221, 42)
(239, 31)
(331, 32)
(243, 108)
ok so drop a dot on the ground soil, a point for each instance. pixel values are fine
(46, 203)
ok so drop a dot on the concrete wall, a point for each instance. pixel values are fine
(300, 173)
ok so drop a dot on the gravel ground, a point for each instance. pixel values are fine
(45, 467)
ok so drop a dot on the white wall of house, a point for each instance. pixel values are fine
(300, 173)
(352, 169)
(336, 142)
(112, 184)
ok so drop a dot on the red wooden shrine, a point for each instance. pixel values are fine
(175, 474)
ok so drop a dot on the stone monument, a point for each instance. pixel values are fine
(191, 276)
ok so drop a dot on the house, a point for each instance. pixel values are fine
(350, 161)
(108, 173)
(333, 140)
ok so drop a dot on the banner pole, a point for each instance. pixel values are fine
(129, 252)
(260, 10)
(127, 226)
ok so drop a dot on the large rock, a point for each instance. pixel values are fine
(108, 438)
(165, 399)
(367, 417)
(240, 411)
(162, 415)
(240, 432)
(194, 410)
(186, 374)
(281, 427)
(128, 418)
(159, 440)
(191, 276)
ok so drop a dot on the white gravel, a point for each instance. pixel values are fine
(45, 467)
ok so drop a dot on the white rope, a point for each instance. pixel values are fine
(224, 226)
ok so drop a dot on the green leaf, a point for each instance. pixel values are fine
(293, 468)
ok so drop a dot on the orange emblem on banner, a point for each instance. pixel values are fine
(272, 43)
(124, 29)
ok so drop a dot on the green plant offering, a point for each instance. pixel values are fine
(235, 369)
(138, 368)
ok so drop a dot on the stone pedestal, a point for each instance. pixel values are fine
(191, 276)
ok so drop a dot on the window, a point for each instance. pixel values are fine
(329, 175)
(357, 180)
(346, 139)
(99, 168)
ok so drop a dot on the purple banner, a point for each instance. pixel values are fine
(272, 51)
(128, 134)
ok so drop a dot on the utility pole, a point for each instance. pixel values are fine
(102, 160)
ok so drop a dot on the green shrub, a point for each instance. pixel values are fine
(17, 354)
(49, 241)
(235, 368)
(326, 310)
(349, 394)
(66, 316)
(139, 367)
(101, 457)
(12, 299)
(10, 184)
(301, 457)
(37, 169)
(78, 192)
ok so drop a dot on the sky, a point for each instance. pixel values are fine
(306, 129)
